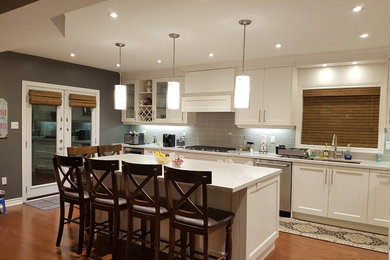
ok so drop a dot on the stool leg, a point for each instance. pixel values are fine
(156, 240)
(115, 241)
(70, 213)
(110, 224)
(91, 231)
(206, 247)
(183, 244)
(143, 233)
(192, 245)
(62, 220)
(81, 228)
(129, 235)
(228, 243)
(171, 241)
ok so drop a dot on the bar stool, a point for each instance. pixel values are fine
(106, 150)
(194, 219)
(105, 199)
(71, 190)
(2, 201)
(143, 205)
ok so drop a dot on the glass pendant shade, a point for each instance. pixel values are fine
(120, 96)
(242, 91)
(173, 95)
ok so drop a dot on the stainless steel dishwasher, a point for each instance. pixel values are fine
(285, 182)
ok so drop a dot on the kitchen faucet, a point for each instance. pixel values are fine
(334, 144)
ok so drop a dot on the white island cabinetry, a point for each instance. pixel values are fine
(379, 198)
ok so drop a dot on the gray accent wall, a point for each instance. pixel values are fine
(14, 68)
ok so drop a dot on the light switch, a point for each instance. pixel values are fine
(14, 125)
(387, 145)
(273, 139)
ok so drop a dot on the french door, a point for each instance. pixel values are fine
(50, 129)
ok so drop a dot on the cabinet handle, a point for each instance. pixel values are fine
(61, 119)
(326, 176)
(332, 177)
(67, 120)
(264, 116)
(383, 174)
(259, 115)
(60, 148)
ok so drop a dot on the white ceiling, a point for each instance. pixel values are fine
(301, 26)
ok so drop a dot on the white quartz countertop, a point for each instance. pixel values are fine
(364, 164)
(225, 176)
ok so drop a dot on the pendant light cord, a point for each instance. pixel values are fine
(120, 65)
(174, 57)
(243, 50)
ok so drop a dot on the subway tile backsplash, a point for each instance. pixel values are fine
(218, 129)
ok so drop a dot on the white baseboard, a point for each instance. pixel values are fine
(13, 202)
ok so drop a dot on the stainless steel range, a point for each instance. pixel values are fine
(210, 148)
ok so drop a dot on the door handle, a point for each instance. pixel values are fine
(60, 148)
(332, 177)
(264, 116)
(61, 141)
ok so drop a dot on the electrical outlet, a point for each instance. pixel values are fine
(3, 180)
(273, 139)
(387, 145)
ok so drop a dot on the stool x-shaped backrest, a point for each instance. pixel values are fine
(84, 151)
(139, 196)
(68, 176)
(101, 170)
(185, 206)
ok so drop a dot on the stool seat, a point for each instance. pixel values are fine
(216, 217)
(75, 195)
(150, 210)
(110, 202)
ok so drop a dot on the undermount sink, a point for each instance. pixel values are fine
(335, 160)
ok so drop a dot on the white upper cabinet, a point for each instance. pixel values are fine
(209, 81)
(273, 98)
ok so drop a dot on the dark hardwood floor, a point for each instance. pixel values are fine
(30, 233)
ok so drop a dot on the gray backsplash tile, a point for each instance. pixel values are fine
(218, 129)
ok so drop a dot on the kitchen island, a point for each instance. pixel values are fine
(252, 193)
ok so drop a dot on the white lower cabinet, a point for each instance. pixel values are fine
(310, 189)
(379, 198)
(348, 194)
(334, 192)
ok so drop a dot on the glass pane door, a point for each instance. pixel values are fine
(130, 112)
(161, 104)
(44, 141)
(81, 126)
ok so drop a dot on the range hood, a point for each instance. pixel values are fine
(209, 90)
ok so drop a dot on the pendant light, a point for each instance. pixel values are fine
(242, 89)
(120, 95)
(173, 93)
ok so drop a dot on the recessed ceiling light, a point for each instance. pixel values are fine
(278, 46)
(72, 55)
(118, 65)
(159, 61)
(354, 63)
(364, 35)
(324, 65)
(113, 15)
(211, 54)
(357, 9)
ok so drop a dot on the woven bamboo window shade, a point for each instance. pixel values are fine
(76, 100)
(49, 98)
(350, 113)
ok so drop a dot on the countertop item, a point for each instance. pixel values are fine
(226, 177)
(364, 164)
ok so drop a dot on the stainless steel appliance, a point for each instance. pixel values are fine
(209, 148)
(291, 152)
(133, 150)
(134, 138)
(168, 140)
(285, 182)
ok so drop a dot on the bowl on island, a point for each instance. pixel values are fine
(161, 158)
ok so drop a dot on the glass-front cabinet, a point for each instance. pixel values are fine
(147, 103)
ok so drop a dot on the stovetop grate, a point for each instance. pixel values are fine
(209, 148)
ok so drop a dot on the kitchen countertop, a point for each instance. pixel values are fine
(226, 177)
(365, 164)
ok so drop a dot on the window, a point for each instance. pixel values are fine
(350, 113)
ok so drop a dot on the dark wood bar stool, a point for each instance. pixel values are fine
(105, 199)
(84, 152)
(69, 181)
(142, 205)
(188, 217)
(106, 150)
